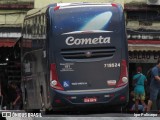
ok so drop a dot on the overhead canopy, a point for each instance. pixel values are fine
(7, 43)
(144, 45)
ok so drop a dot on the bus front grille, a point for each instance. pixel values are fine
(88, 53)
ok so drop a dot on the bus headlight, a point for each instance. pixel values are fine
(125, 79)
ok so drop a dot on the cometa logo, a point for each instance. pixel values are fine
(84, 41)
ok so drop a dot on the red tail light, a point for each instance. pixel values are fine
(54, 83)
(124, 74)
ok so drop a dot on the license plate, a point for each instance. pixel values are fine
(89, 100)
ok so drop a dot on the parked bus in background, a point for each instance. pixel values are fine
(74, 55)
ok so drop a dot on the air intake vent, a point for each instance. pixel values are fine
(88, 53)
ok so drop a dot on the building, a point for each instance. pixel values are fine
(143, 32)
(12, 13)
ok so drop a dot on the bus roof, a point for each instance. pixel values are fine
(85, 4)
(43, 10)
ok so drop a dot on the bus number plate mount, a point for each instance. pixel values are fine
(90, 100)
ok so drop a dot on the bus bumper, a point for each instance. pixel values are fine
(63, 99)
